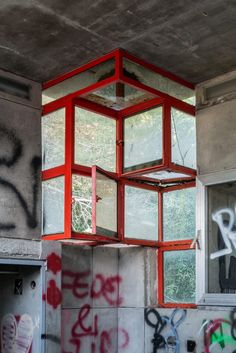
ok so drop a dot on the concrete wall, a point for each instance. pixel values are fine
(109, 305)
(30, 322)
(105, 298)
(20, 162)
(216, 125)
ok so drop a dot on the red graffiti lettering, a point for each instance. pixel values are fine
(80, 329)
(54, 263)
(77, 284)
(109, 337)
(105, 344)
(53, 295)
(106, 287)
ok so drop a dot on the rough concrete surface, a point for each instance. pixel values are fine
(42, 39)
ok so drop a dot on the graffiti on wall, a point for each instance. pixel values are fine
(227, 230)
(16, 334)
(9, 157)
(220, 334)
(86, 332)
(53, 295)
(165, 329)
(101, 286)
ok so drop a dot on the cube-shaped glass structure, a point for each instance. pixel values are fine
(115, 131)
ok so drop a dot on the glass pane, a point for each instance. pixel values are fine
(119, 96)
(79, 81)
(143, 139)
(157, 81)
(106, 205)
(95, 140)
(53, 205)
(179, 276)
(81, 204)
(53, 139)
(165, 175)
(179, 211)
(221, 238)
(141, 213)
(183, 130)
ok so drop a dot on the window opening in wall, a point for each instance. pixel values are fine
(119, 159)
(221, 238)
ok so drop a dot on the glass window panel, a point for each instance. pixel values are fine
(157, 81)
(141, 213)
(95, 140)
(79, 81)
(165, 174)
(53, 139)
(106, 205)
(53, 206)
(179, 208)
(81, 204)
(179, 276)
(119, 96)
(143, 139)
(221, 238)
(183, 130)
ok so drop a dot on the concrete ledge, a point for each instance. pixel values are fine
(20, 248)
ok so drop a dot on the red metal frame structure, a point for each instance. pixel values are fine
(174, 245)
(118, 109)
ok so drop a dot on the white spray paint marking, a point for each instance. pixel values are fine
(8, 333)
(16, 338)
(228, 235)
(24, 334)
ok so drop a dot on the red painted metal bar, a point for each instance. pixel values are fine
(118, 63)
(141, 242)
(69, 156)
(53, 172)
(121, 211)
(135, 184)
(56, 236)
(79, 70)
(166, 134)
(96, 108)
(182, 106)
(93, 237)
(160, 277)
(137, 172)
(182, 169)
(188, 185)
(119, 146)
(82, 170)
(53, 106)
(160, 217)
(94, 199)
(176, 244)
(141, 107)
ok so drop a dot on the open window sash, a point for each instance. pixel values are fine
(104, 204)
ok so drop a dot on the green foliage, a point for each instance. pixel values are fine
(179, 276)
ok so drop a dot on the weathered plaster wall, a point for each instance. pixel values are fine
(20, 163)
(216, 126)
(109, 306)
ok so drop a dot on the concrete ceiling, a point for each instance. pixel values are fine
(41, 39)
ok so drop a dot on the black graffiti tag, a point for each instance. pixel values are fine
(9, 159)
